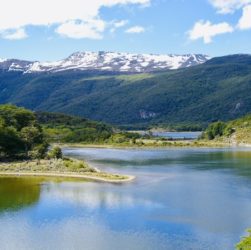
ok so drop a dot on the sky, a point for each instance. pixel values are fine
(49, 30)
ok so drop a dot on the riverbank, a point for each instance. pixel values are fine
(66, 168)
(150, 144)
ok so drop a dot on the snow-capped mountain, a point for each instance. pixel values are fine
(107, 61)
(15, 65)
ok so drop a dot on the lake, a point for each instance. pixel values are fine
(181, 199)
(172, 135)
(178, 135)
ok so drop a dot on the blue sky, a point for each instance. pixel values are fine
(53, 29)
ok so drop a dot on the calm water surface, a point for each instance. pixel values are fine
(178, 135)
(181, 199)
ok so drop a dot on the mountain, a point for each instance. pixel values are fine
(14, 65)
(219, 89)
(106, 61)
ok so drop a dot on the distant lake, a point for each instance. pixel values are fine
(173, 135)
(178, 135)
(181, 199)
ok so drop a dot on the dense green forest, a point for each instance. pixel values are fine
(20, 134)
(64, 128)
(192, 97)
(26, 134)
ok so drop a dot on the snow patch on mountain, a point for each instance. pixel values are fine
(108, 61)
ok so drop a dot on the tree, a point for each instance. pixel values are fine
(20, 133)
(31, 136)
(17, 117)
(10, 143)
(39, 152)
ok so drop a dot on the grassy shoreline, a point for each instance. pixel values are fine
(60, 168)
(158, 145)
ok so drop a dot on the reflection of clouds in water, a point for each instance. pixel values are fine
(124, 154)
(138, 154)
(195, 203)
(93, 196)
(207, 200)
(74, 234)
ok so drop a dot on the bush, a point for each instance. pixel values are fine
(245, 243)
(56, 153)
(214, 130)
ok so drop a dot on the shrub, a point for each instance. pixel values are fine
(56, 153)
(245, 243)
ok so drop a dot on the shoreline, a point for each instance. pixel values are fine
(67, 175)
(65, 168)
(181, 145)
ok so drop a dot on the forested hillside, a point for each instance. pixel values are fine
(64, 128)
(216, 90)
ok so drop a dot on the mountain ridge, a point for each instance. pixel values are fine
(216, 90)
(107, 61)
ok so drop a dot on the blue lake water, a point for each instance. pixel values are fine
(181, 199)
(178, 135)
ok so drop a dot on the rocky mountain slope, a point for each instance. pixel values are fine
(107, 61)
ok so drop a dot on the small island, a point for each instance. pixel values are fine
(24, 151)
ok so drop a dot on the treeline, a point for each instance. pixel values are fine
(25, 134)
(72, 129)
(21, 136)
(175, 127)
(63, 128)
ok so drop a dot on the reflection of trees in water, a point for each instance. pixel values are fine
(17, 193)
(238, 161)
(202, 159)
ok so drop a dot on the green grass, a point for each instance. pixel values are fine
(135, 77)
(58, 166)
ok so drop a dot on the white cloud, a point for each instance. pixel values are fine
(121, 23)
(229, 6)
(245, 20)
(135, 30)
(206, 30)
(92, 29)
(64, 13)
(16, 34)
(118, 24)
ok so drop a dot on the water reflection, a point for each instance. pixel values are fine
(96, 196)
(17, 193)
(238, 160)
(182, 199)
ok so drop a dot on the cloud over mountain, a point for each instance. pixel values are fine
(75, 18)
(207, 30)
